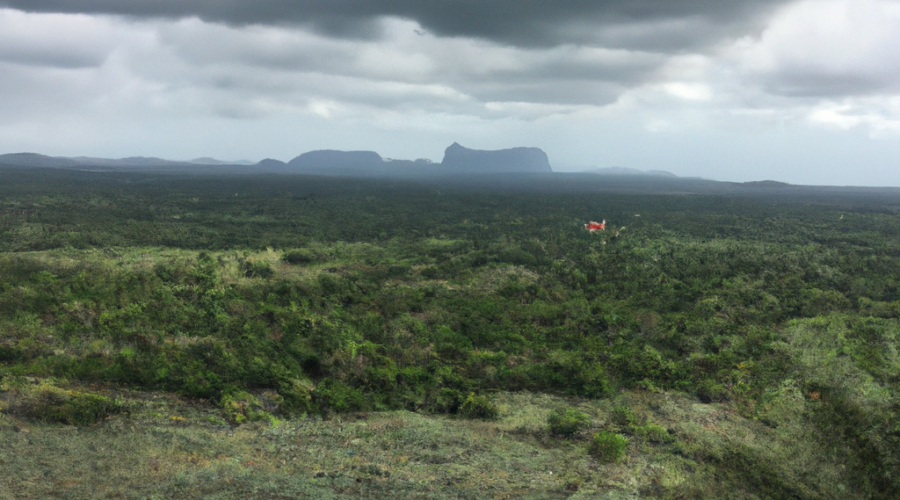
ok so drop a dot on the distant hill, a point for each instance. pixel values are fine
(88, 162)
(628, 171)
(766, 184)
(462, 159)
(132, 161)
(351, 164)
(271, 165)
(332, 162)
(212, 161)
(36, 160)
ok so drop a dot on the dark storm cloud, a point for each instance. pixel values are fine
(486, 72)
(647, 24)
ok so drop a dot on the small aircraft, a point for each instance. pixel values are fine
(596, 226)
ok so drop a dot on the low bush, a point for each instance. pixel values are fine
(653, 433)
(623, 416)
(44, 402)
(300, 257)
(445, 400)
(296, 397)
(478, 407)
(259, 269)
(567, 422)
(710, 391)
(243, 407)
(333, 395)
(608, 447)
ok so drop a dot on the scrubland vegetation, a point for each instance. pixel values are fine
(287, 337)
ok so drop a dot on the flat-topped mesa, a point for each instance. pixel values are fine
(329, 161)
(517, 160)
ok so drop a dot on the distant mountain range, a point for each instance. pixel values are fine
(38, 160)
(460, 167)
(458, 160)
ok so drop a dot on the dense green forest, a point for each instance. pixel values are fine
(298, 299)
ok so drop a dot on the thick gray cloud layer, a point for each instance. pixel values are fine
(647, 24)
(715, 88)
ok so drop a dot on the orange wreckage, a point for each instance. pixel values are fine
(596, 226)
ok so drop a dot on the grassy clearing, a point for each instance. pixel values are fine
(167, 447)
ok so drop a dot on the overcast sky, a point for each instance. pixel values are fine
(798, 91)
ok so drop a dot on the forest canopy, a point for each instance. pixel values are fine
(301, 296)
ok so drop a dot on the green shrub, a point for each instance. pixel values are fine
(299, 257)
(261, 269)
(608, 447)
(429, 272)
(296, 397)
(564, 372)
(567, 422)
(478, 407)
(653, 433)
(47, 403)
(79, 408)
(445, 400)
(242, 407)
(623, 416)
(333, 395)
(710, 391)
